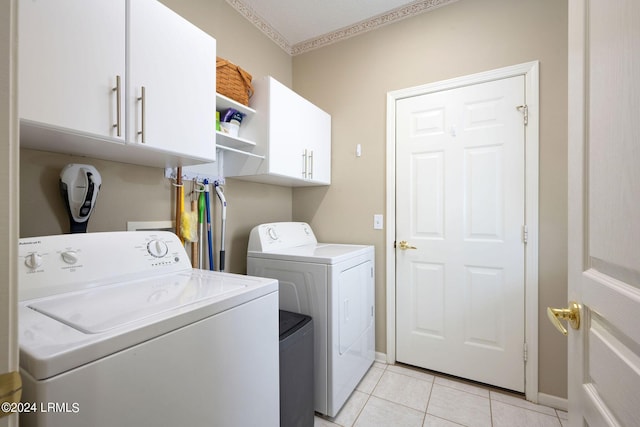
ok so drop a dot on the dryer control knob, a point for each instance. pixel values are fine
(272, 233)
(33, 260)
(157, 248)
(70, 257)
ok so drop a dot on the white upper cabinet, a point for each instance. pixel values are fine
(293, 134)
(71, 54)
(83, 65)
(175, 63)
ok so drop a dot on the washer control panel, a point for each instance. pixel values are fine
(63, 263)
(280, 235)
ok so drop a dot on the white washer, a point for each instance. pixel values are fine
(332, 283)
(117, 329)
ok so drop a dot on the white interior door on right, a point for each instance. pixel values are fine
(460, 196)
(604, 213)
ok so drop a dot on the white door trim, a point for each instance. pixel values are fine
(530, 70)
(9, 191)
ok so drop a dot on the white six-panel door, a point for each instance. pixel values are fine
(604, 212)
(460, 182)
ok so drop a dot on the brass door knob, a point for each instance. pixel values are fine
(571, 315)
(404, 245)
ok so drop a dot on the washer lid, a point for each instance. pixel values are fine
(321, 253)
(107, 307)
(62, 332)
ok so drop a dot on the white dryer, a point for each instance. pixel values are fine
(117, 329)
(332, 283)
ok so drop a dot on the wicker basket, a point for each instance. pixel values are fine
(233, 82)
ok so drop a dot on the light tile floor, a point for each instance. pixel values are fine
(395, 395)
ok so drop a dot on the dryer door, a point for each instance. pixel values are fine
(352, 326)
(354, 286)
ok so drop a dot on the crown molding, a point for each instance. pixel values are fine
(378, 21)
(261, 24)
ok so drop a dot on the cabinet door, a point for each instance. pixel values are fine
(70, 52)
(299, 137)
(286, 132)
(317, 138)
(175, 62)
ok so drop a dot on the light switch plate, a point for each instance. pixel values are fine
(377, 222)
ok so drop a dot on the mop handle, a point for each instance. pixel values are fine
(201, 211)
(223, 202)
(209, 235)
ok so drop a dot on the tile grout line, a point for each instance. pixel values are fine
(391, 401)
(424, 418)
(490, 409)
(369, 395)
(558, 416)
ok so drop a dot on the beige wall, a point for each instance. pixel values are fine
(135, 193)
(350, 80)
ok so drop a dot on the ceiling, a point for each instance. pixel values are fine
(298, 26)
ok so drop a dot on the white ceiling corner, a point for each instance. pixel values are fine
(298, 26)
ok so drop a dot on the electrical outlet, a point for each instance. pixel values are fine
(377, 222)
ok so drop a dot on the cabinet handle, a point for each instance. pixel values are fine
(143, 118)
(310, 174)
(118, 92)
(304, 164)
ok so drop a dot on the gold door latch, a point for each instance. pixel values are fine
(10, 390)
(571, 315)
(404, 245)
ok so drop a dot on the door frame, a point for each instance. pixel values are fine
(530, 70)
(9, 191)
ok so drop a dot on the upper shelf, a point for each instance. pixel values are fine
(238, 145)
(234, 142)
(222, 103)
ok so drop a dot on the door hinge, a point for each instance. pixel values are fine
(525, 234)
(525, 352)
(525, 111)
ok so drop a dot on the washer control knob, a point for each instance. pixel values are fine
(70, 257)
(272, 233)
(33, 260)
(157, 248)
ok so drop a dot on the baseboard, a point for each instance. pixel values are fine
(381, 357)
(553, 401)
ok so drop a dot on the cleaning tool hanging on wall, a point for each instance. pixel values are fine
(79, 187)
(193, 229)
(223, 226)
(201, 211)
(189, 224)
(179, 203)
(207, 202)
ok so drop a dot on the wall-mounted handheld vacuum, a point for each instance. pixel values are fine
(79, 187)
